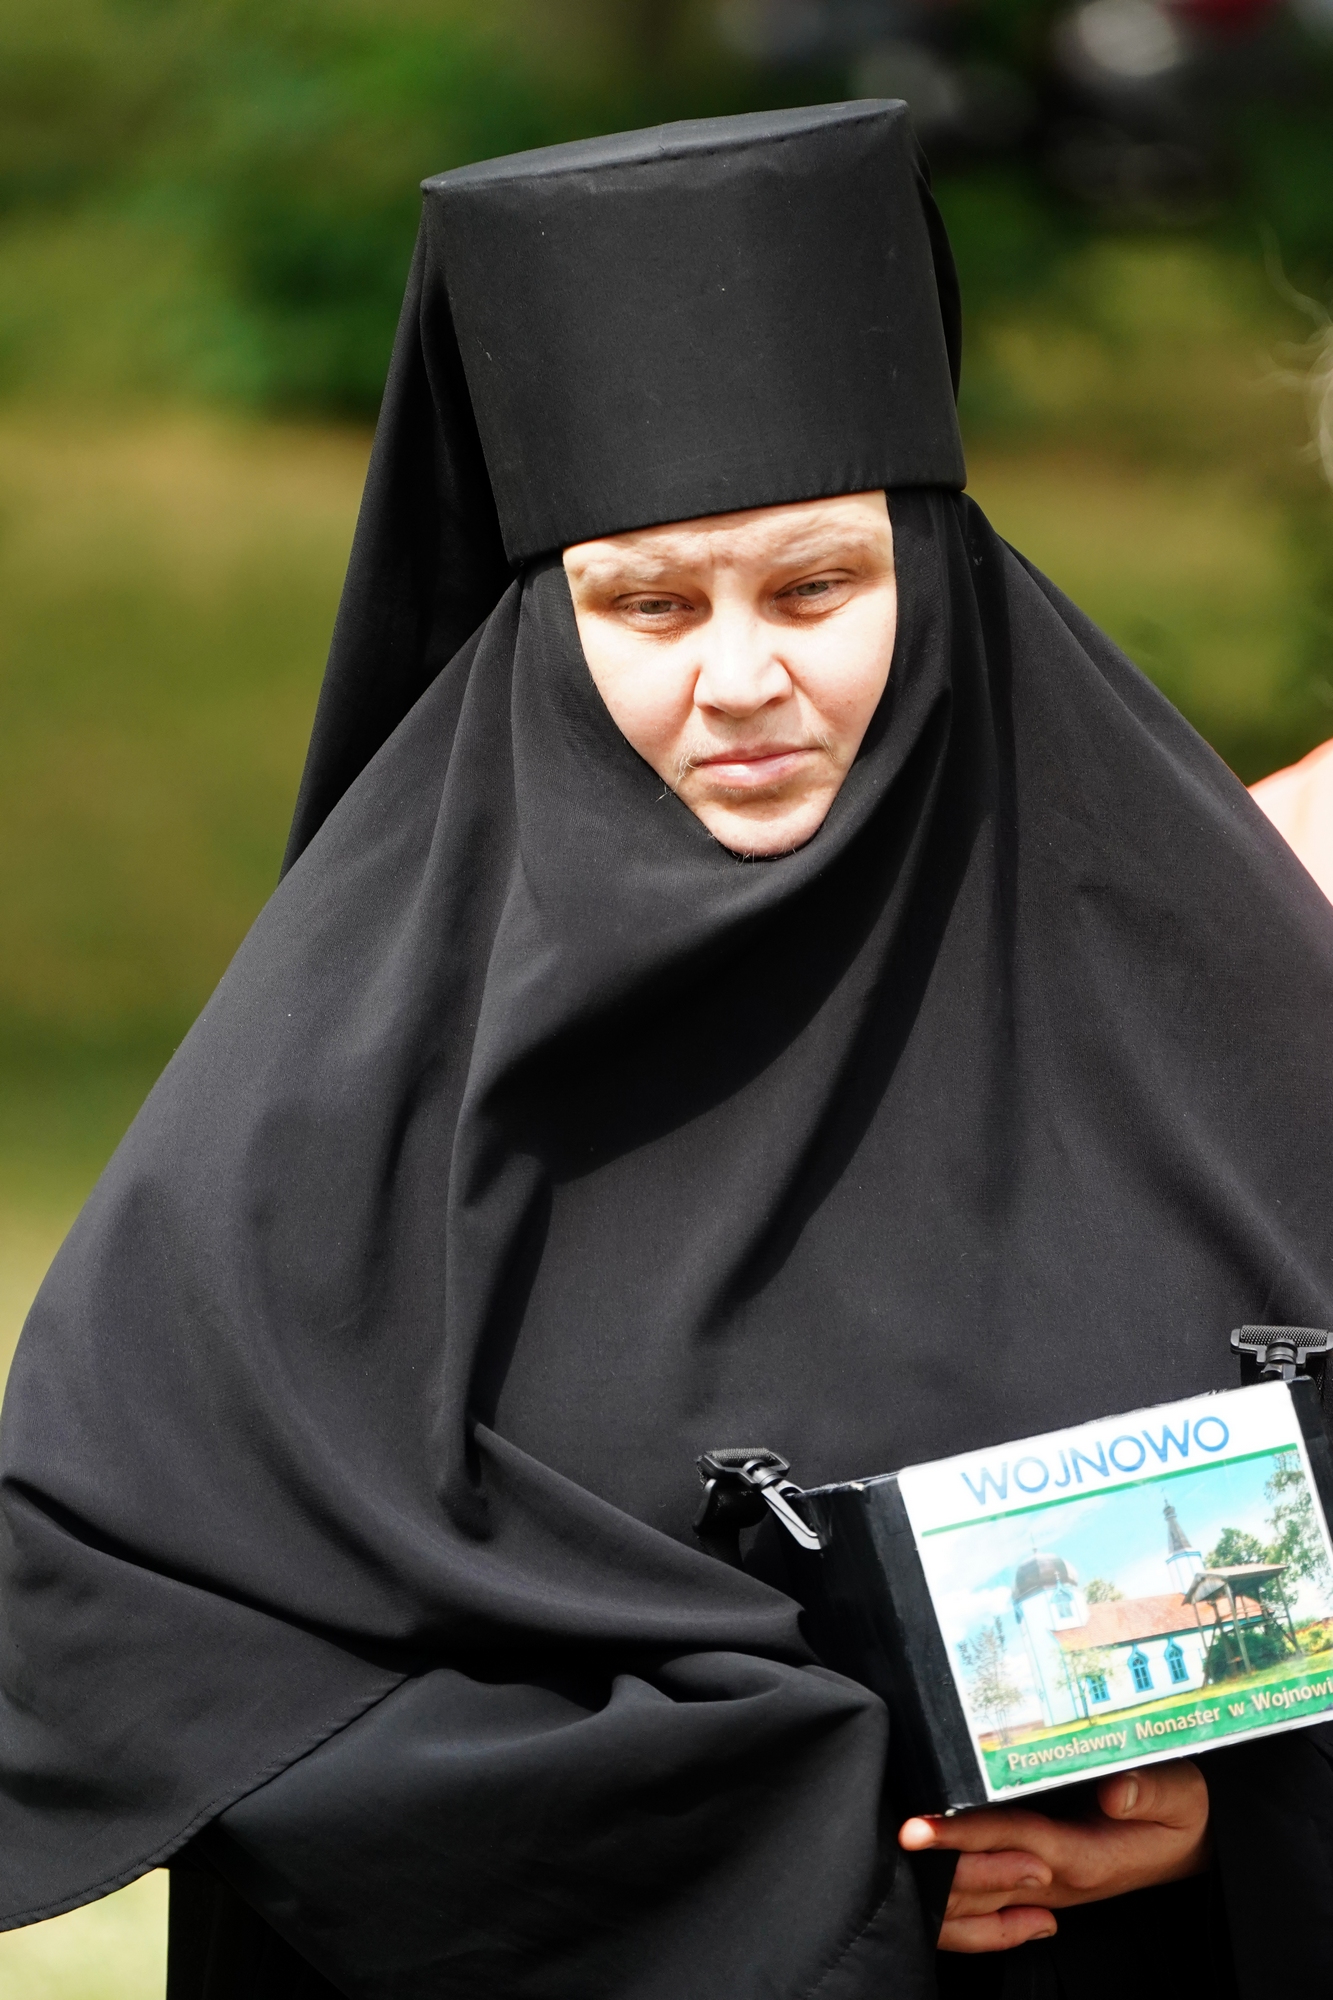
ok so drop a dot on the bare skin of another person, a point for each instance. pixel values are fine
(743, 657)
(1299, 801)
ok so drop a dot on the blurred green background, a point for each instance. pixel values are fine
(206, 213)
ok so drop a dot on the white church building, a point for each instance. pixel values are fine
(1117, 1653)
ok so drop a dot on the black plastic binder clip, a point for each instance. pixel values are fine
(1282, 1353)
(741, 1483)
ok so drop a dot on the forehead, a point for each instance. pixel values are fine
(813, 530)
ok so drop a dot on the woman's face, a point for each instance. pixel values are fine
(743, 655)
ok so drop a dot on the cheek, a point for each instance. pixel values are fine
(646, 687)
(844, 667)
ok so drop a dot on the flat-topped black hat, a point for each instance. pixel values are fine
(707, 316)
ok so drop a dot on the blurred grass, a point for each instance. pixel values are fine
(1194, 579)
(113, 1950)
(168, 592)
(1138, 429)
(168, 588)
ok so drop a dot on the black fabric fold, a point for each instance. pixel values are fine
(1272, 1815)
(427, 565)
(636, 1839)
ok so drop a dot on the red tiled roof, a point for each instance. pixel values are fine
(1125, 1619)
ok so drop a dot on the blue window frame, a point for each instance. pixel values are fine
(1140, 1670)
(1097, 1687)
(1175, 1661)
(1064, 1603)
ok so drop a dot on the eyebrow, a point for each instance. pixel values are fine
(630, 568)
(641, 568)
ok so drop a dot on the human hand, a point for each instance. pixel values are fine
(1015, 1866)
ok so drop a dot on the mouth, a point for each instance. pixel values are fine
(753, 768)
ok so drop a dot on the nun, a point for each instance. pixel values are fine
(753, 963)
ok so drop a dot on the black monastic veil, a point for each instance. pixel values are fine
(534, 1143)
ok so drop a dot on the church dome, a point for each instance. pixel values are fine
(1042, 1572)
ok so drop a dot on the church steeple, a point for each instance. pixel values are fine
(1183, 1561)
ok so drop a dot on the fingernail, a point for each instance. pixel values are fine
(1131, 1797)
(1048, 1932)
(1031, 1882)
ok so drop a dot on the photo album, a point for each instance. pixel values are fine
(1145, 1587)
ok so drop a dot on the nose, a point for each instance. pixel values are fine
(739, 673)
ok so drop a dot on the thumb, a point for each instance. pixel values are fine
(1168, 1795)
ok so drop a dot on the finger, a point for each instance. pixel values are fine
(963, 1908)
(1000, 1932)
(1173, 1795)
(1011, 1868)
(987, 1883)
(987, 1830)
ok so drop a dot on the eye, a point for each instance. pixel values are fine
(654, 607)
(813, 593)
(645, 609)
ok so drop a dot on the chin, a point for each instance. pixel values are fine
(764, 840)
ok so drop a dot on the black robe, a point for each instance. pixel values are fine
(532, 1144)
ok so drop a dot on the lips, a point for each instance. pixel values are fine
(760, 764)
